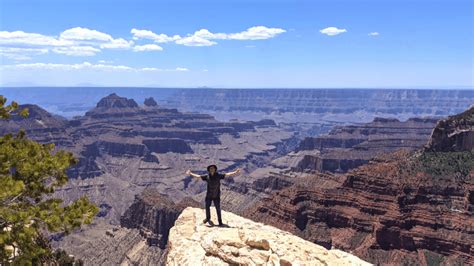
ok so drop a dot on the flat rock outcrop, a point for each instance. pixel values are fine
(243, 242)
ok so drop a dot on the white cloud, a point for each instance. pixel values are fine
(30, 39)
(195, 41)
(151, 69)
(374, 34)
(256, 33)
(159, 38)
(332, 31)
(76, 50)
(72, 42)
(16, 53)
(147, 47)
(79, 33)
(178, 69)
(204, 37)
(105, 61)
(94, 38)
(117, 44)
(206, 34)
(79, 41)
(51, 66)
(86, 65)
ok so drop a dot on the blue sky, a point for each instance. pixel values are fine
(304, 44)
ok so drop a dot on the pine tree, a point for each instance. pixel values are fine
(29, 174)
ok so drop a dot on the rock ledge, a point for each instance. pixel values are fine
(243, 242)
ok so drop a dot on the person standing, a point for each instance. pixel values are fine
(213, 179)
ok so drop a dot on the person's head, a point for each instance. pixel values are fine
(212, 169)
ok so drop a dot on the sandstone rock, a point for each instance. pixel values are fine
(243, 242)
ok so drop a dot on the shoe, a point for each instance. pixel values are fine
(205, 221)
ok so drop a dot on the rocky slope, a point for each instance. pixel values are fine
(140, 239)
(243, 242)
(404, 207)
(104, 244)
(349, 146)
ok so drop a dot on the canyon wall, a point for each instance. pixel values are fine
(404, 207)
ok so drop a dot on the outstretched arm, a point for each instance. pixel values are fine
(192, 174)
(236, 172)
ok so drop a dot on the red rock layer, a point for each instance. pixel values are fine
(392, 210)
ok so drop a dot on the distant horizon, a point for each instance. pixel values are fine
(257, 88)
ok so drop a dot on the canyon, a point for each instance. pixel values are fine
(387, 190)
(403, 207)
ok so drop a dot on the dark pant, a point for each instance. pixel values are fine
(217, 204)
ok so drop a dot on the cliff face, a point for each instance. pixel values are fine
(303, 105)
(243, 242)
(140, 239)
(455, 133)
(347, 147)
(403, 207)
(154, 214)
(104, 244)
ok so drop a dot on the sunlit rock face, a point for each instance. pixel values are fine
(243, 242)
(455, 133)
